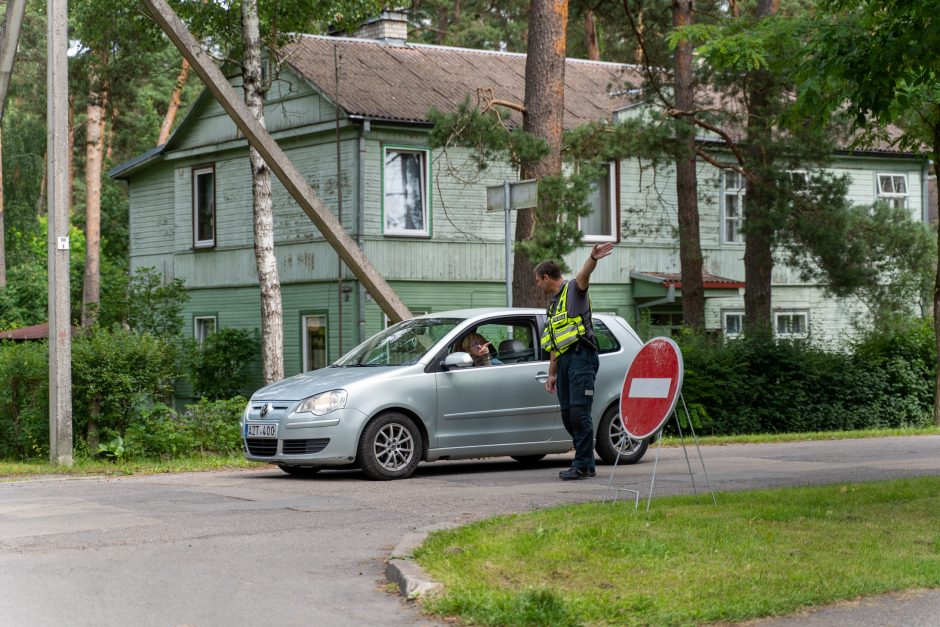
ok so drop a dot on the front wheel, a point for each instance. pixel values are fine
(611, 436)
(390, 447)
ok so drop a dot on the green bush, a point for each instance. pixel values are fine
(114, 371)
(24, 402)
(220, 364)
(757, 385)
(203, 427)
(214, 424)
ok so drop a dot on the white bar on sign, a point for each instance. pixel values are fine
(650, 388)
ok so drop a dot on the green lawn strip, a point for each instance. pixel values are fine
(14, 471)
(763, 438)
(687, 561)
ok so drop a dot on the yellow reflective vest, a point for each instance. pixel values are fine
(561, 332)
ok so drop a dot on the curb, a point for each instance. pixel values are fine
(411, 579)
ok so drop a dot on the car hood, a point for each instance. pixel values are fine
(307, 384)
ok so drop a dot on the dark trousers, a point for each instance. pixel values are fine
(577, 369)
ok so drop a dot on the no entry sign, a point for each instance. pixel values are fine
(651, 387)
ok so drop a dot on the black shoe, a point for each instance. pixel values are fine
(575, 473)
(590, 473)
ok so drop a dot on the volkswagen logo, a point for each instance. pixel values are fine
(265, 409)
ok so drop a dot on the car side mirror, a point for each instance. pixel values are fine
(458, 360)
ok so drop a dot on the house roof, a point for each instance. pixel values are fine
(674, 279)
(401, 81)
(34, 332)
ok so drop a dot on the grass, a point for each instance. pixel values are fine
(687, 561)
(764, 438)
(15, 471)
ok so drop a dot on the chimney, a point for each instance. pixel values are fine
(389, 27)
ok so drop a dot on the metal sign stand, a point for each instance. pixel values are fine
(659, 446)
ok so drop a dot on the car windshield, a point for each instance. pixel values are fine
(401, 344)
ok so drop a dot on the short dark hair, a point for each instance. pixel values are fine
(552, 269)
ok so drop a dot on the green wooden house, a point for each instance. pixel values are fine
(351, 113)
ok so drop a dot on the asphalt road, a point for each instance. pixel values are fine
(261, 548)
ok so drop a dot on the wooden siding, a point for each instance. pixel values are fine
(151, 213)
(648, 213)
(290, 104)
(833, 322)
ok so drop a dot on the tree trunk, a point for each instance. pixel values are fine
(94, 162)
(544, 117)
(590, 36)
(272, 332)
(690, 246)
(174, 106)
(639, 56)
(758, 202)
(3, 256)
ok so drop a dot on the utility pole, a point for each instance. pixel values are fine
(60, 323)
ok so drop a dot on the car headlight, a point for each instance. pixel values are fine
(247, 411)
(323, 403)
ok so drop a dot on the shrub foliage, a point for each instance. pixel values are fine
(758, 385)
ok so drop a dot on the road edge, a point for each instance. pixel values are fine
(410, 578)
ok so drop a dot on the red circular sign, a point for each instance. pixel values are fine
(651, 387)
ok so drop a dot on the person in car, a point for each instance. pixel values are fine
(478, 348)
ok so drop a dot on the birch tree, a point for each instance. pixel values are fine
(244, 31)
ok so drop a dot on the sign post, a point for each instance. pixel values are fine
(506, 197)
(651, 390)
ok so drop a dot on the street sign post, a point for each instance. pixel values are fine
(521, 195)
(651, 388)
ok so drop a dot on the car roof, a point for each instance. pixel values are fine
(484, 311)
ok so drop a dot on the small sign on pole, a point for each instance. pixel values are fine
(522, 195)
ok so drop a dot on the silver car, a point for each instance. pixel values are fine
(409, 393)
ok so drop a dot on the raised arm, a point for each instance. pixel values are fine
(599, 251)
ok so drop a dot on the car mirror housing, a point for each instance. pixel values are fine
(458, 360)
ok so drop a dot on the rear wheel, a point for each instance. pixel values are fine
(300, 471)
(390, 447)
(528, 460)
(611, 436)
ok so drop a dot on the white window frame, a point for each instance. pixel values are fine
(392, 225)
(802, 175)
(200, 332)
(893, 198)
(800, 313)
(305, 343)
(197, 173)
(729, 313)
(611, 236)
(738, 193)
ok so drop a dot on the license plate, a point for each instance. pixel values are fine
(261, 430)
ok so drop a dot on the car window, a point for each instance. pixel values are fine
(512, 341)
(606, 342)
(401, 344)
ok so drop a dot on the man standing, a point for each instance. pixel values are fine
(569, 335)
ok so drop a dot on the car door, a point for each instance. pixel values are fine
(501, 404)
